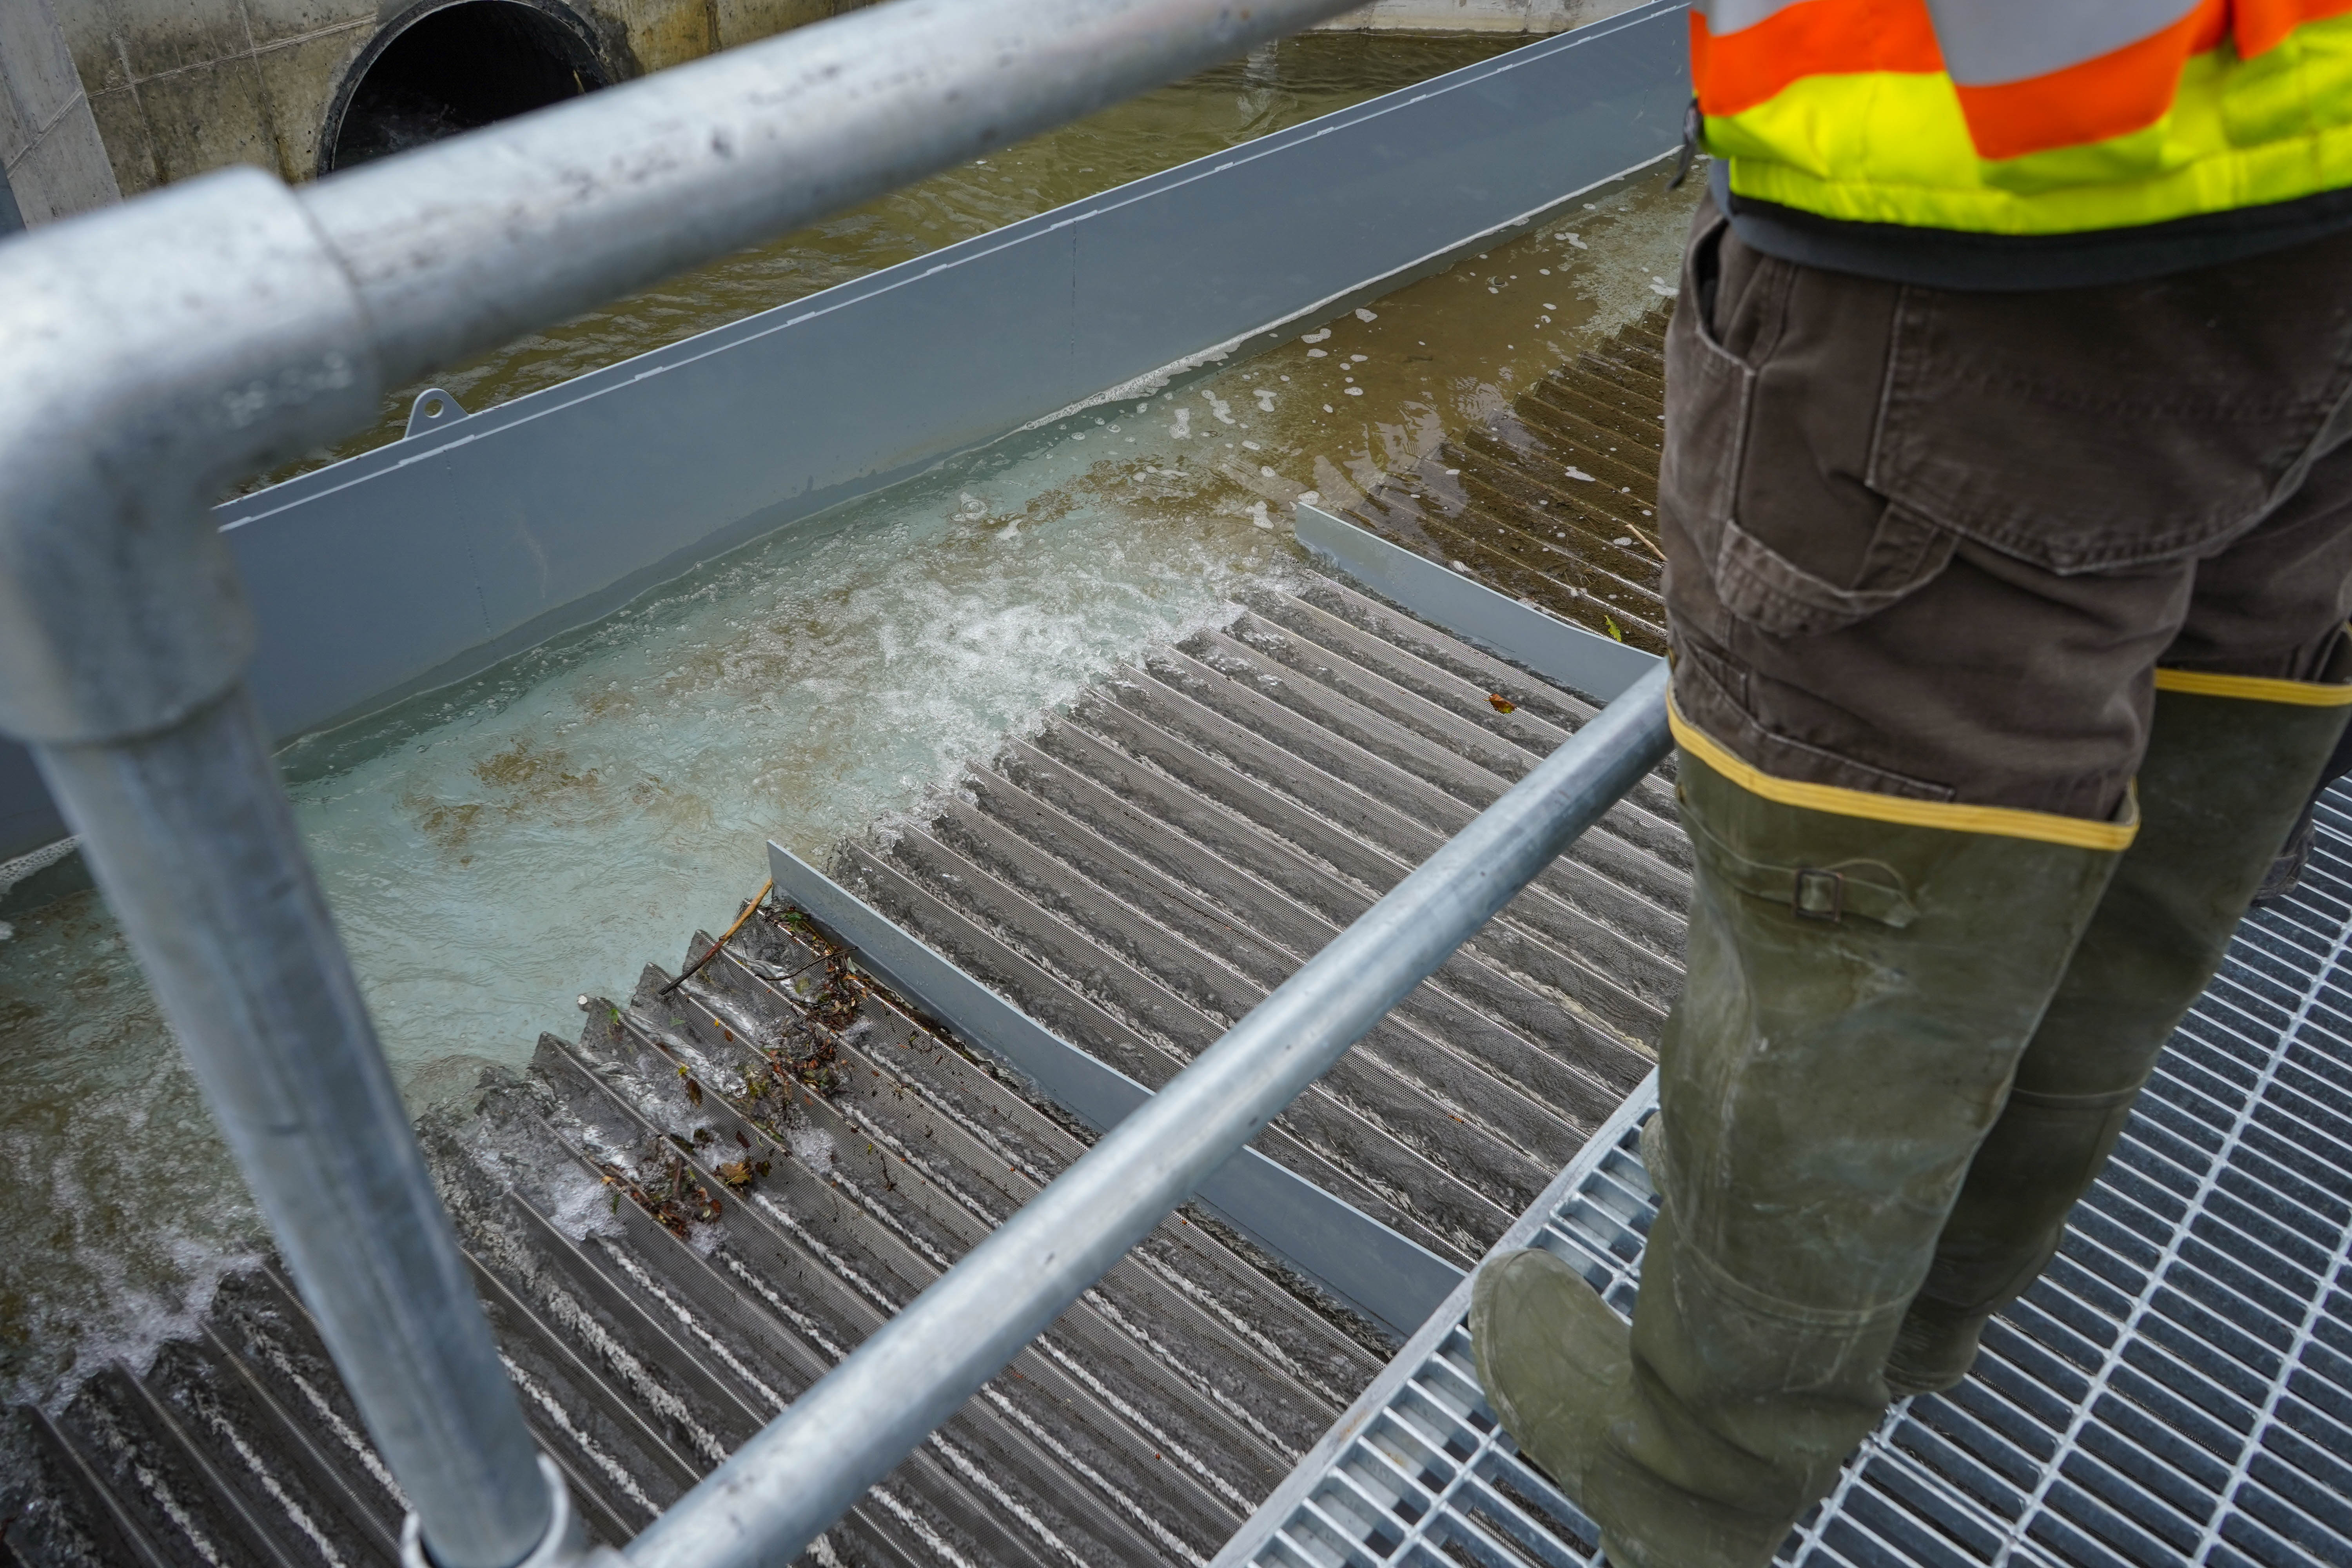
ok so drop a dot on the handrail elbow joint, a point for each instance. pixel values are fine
(158, 352)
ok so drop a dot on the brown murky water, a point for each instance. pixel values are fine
(492, 850)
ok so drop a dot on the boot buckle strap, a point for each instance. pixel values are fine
(1818, 894)
(1867, 890)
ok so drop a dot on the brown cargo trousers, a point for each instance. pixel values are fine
(1936, 545)
(1932, 558)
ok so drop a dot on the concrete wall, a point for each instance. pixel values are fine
(178, 86)
(51, 160)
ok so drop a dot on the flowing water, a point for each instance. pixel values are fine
(493, 850)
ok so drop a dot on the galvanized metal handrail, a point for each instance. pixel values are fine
(160, 350)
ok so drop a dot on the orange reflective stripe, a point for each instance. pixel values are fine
(2125, 90)
(1814, 38)
(2261, 26)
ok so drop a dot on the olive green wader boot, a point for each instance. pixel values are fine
(2231, 761)
(1863, 975)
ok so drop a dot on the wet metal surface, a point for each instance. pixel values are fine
(1146, 868)
(1368, 1265)
(1554, 499)
(1564, 654)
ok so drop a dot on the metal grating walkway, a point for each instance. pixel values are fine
(2175, 1390)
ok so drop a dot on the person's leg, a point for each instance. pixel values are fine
(1858, 993)
(1876, 926)
(2286, 869)
(2250, 707)
(1920, 575)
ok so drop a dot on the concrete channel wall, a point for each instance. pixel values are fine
(179, 87)
(51, 162)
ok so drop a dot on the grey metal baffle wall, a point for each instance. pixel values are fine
(163, 349)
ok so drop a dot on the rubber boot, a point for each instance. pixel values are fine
(1859, 991)
(2286, 873)
(2224, 780)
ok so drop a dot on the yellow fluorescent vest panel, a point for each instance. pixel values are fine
(1891, 147)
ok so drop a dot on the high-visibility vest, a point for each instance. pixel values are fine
(2025, 117)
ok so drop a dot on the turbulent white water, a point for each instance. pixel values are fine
(493, 851)
(575, 815)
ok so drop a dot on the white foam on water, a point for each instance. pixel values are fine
(492, 851)
(580, 1205)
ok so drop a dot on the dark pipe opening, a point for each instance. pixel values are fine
(458, 68)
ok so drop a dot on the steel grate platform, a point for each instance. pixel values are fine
(2175, 1390)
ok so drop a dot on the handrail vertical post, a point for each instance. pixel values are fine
(194, 842)
(159, 350)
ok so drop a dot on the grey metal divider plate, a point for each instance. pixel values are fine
(1578, 659)
(2175, 1390)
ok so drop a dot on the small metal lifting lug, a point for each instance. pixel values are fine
(432, 409)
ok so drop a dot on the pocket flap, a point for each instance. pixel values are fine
(1765, 588)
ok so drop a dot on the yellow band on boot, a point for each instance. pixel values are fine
(2008, 821)
(2254, 688)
